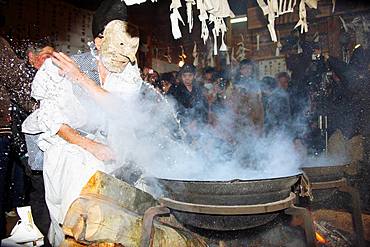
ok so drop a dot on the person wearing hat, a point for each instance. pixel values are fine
(192, 105)
(72, 117)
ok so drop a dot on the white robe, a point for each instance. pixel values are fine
(68, 167)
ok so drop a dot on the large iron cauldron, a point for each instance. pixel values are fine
(227, 193)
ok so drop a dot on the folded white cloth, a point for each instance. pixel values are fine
(25, 232)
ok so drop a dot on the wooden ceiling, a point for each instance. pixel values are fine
(154, 22)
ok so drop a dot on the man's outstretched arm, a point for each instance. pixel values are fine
(100, 151)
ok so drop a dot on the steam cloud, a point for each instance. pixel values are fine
(141, 131)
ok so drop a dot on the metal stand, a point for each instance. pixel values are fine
(343, 186)
(230, 210)
(287, 205)
(308, 223)
(147, 231)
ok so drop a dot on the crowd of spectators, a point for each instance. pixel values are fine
(290, 102)
(238, 101)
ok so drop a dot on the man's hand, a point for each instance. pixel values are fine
(101, 151)
(67, 67)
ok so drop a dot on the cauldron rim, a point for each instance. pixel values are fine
(337, 165)
(236, 180)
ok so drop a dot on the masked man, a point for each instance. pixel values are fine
(73, 118)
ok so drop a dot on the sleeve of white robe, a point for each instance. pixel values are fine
(57, 103)
(45, 89)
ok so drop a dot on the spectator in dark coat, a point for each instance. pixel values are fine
(341, 103)
(192, 105)
(356, 77)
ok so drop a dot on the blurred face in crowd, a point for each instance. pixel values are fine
(246, 70)
(283, 82)
(208, 76)
(165, 86)
(153, 77)
(187, 78)
(36, 59)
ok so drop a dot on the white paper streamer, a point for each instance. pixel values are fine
(195, 55)
(175, 4)
(223, 32)
(175, 18)
(228, 62)
(302, 17)
(132, 2)
(214, 41)
(273, 9)
(189, 12)
(278, 48)
(214, 11)
(203, 17)
(223, 46)
(334, 3)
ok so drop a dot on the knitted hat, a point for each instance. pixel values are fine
(108, 11)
